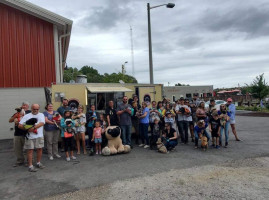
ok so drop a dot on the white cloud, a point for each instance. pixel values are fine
(220, 43)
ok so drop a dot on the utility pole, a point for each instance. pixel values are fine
(132, 50)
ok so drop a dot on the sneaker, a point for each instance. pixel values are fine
(196, 147)
(226, 145)
(146, 146)
(73, 158)
(57, 156)
(173, 149)
(32, 169)
(141, 145)
(51, 158)
(67, 159)
(40, 166)
(217, 147)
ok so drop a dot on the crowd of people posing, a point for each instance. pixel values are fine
(172, 122)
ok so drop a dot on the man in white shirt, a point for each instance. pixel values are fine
(35, 138)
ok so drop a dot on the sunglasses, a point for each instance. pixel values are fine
(35, 109)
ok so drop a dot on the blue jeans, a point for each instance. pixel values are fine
(126, 131)
(226, 129)
(171, 144)
(183, 130)
(89, 131)
(197, 136)
(144, 133)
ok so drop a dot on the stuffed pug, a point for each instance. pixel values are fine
(114, 145)
(161, 147)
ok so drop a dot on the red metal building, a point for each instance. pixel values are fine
(33, 50)
(33, 45)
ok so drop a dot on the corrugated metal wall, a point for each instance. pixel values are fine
(26, 50)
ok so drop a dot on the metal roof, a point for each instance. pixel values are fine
(95, 89)
(39, 12)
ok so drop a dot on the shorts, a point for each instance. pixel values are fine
(36, 143)
(69, 143)
(97, 140)
(232, 121)
(215, 134)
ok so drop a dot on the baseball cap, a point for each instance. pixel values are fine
(229, 100)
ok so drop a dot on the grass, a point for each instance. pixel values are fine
(253, 108)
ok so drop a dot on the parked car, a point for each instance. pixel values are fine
(218, 103)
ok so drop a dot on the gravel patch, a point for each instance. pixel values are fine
(243, 179)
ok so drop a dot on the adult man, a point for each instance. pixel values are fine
(195, 100)
(111, 114)
(124, 111)
(183, 112)
(231, 109)
(19, 135)
(153, 114)
(35, 138)
(64, 107)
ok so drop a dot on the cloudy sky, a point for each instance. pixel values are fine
(208, 42)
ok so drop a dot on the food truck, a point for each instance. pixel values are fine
(99, 94)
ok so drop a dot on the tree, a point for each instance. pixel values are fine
(259, 87)
(93, 76)
(70, 74)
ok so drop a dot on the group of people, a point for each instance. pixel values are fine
(66, 128)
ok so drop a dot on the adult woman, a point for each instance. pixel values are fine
(144, 125)
(51, 132)
(80, 129)
(201, 112)
(169, 137)
(135, 121)
(232, 110)
(169, 108)
(224, 116)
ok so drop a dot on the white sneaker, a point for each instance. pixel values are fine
(141, 145)
(146, 146)
(68, 159)
(57, 156)
(51, 158)
(73, 158)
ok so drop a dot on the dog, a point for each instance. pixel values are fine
(204, 143)
(160, 146)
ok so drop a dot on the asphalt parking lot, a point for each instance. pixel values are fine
(60, 177)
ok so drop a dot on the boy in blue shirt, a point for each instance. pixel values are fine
(199, 130)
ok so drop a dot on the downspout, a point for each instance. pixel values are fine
(61, 54)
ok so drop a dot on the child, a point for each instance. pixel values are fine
(199, 130)
(97, 136)
(103, 125)
(156, 132)
(67, 124)
(214, 128)
(80, 129)
(168, 118)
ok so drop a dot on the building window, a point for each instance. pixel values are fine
(188, 95)
(196, 94)
(174, 98)
(100, 100)
(209, 94)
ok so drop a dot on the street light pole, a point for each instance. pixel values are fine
(169, 5)
(150, 47)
